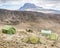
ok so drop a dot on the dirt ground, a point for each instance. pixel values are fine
(35, 21)
(15, 41)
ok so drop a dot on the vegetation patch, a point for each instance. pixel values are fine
(33, 39)
(53, 36)
(8, 29)
(26, 39)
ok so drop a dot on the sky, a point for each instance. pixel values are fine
(16, 4)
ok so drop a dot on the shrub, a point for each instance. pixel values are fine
(25, 39)
(53, 36)
(42, 40)
(33, 39)
(8, 29)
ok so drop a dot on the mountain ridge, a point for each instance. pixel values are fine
(33, 7)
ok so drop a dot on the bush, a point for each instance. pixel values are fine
(8, 29)
(42, 40)
(25, 39)
(33, 39)
(53, 36)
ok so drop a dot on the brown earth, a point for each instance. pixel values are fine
(28, 19)
(23, 20)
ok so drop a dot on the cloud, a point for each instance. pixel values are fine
(48, 4)
(12, 4)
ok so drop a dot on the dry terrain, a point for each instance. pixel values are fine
(23, 20)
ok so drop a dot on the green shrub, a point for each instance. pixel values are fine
(53, 36)
(42, 40)
(33, 39)
(25, 39)
(8, 29)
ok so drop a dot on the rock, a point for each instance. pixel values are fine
(46, 32)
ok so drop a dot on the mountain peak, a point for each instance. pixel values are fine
(28, 6)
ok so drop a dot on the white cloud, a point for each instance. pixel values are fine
(49, 4)
(11, 4)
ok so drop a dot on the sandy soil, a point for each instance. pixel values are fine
(15, 41)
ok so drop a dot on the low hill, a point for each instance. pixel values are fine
(33, 20)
